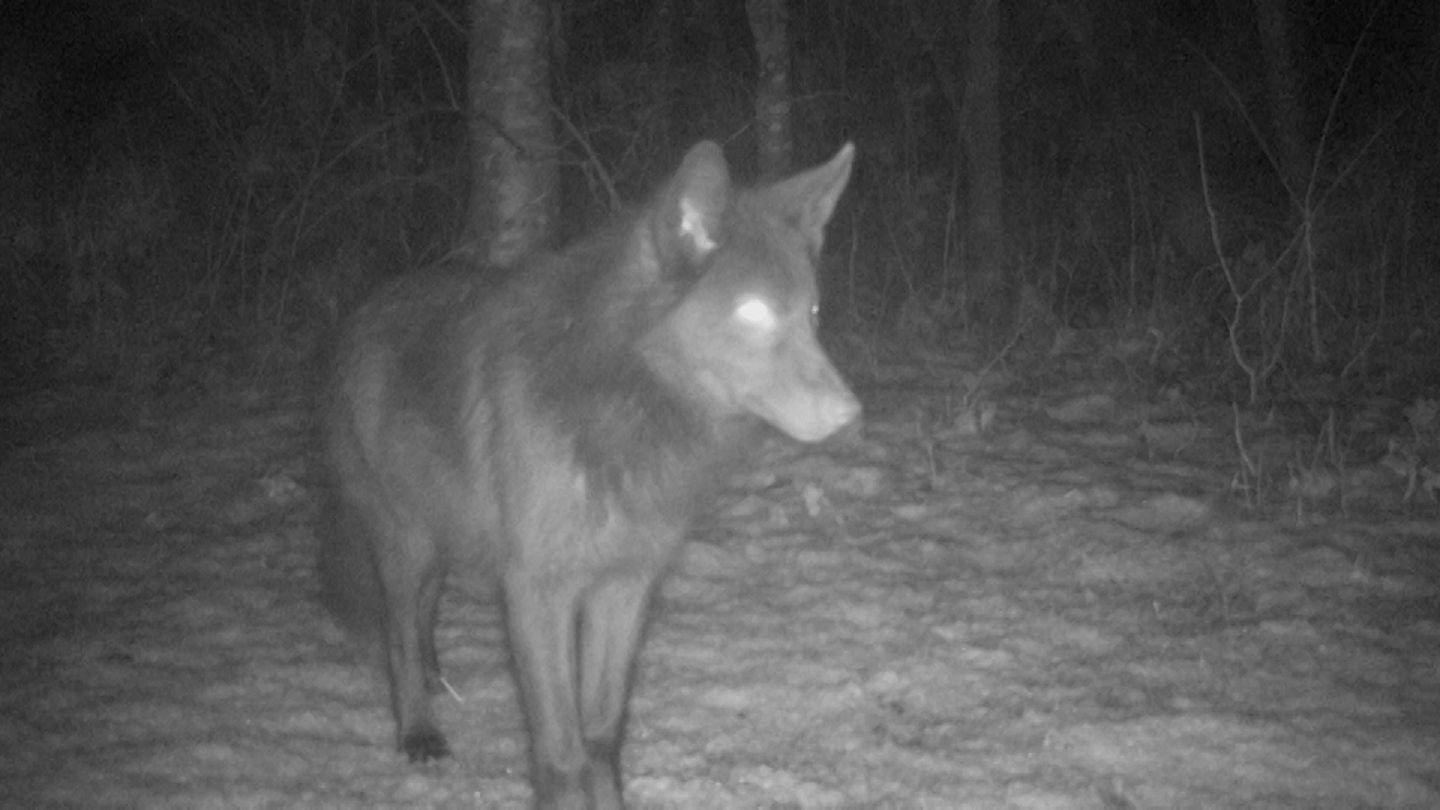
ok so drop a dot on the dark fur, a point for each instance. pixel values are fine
(555, 432)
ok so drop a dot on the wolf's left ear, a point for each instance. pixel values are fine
(809, 198)
(692, 208)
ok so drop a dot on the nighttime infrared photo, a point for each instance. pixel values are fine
(711, 404)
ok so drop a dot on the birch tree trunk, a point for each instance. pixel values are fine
(514, 179)
(768, 24)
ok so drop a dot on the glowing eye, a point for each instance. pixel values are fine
(755, 312)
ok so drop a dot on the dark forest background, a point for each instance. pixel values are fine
(192, 192)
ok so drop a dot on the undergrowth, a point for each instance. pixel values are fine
(206, 238)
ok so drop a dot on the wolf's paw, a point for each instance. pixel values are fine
(424, 745)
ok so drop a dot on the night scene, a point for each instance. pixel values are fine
(710, 404)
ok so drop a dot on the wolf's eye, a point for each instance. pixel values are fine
(755, 312)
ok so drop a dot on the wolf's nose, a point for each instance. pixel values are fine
(839, 411)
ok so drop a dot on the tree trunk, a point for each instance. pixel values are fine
(514, 180)
(1287, 117)
(768, 24)
(664, 25)
(991, 290)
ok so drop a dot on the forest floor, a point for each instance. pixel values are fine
(1067, 596)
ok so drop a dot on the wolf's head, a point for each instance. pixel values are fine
(742, 338)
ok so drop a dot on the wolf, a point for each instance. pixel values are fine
(554, 433)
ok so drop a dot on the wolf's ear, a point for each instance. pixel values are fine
(692, 208)
(808, 199)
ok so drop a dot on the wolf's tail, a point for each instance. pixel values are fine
(349, 583)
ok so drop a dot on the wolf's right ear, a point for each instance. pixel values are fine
(692, 208)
